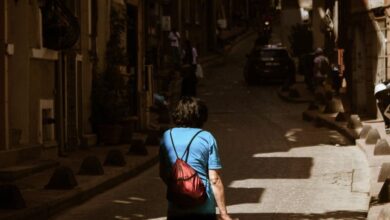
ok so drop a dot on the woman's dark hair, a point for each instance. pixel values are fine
(190, 112)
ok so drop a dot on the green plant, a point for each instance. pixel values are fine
(301, 39)
(110, 94)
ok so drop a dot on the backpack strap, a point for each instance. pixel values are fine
(187, 151)
(188, 146)
(173, 144)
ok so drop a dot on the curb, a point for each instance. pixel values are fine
(329, 122)
(46, 210)
(320, 119)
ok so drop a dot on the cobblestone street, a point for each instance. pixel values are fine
(275, 165)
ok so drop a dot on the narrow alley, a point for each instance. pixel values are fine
(275, 165)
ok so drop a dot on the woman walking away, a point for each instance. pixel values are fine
(198, 148)
(189, 82)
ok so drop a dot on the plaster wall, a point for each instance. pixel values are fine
(30, 78)
(19, 77)
(4, 137)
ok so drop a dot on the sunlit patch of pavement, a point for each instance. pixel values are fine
(327, 189)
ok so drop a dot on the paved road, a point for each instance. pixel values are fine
(276, 166)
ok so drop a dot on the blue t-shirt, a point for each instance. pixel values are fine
(203, 155)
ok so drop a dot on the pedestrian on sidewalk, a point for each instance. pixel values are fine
(382, 95)
(306, 66)
(336, 78)
(174, 38)
(321, 68)
(189, 83)
(189, 117)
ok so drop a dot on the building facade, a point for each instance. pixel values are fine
(366, 52)
(54, 50)
(50, 52)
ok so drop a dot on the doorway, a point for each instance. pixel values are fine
(132, 52)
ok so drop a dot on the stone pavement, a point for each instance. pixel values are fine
(369, 135)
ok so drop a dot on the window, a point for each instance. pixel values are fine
(382, 65)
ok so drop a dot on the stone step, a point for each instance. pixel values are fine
(17, 172)
(138, 144)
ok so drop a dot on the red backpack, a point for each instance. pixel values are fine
(185, 188)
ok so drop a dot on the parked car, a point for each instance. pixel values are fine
(269, 63)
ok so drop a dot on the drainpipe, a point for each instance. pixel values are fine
(60, 105)
(4, 117)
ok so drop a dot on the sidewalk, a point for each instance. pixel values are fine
(42, 203)
(368, 135)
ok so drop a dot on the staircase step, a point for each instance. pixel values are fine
(17, 172)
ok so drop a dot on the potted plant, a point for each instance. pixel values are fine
(110, 97)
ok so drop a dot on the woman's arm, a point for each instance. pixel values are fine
(219, 194)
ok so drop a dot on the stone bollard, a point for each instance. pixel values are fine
(354, 122)
(11, 197)
(383, 195)
(384, 172)
(91, 166)
(364, 132)
(382, 147)
(373, 136)
(62, 178)
(115, 158)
